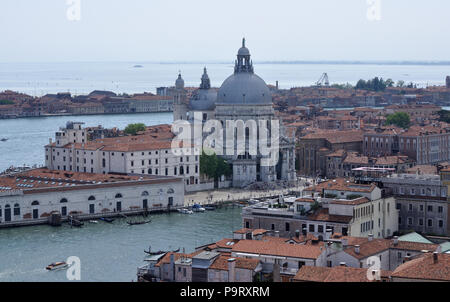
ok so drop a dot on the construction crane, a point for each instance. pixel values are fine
(323, 81)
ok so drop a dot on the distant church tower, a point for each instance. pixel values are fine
(447, 81)
(180, 102)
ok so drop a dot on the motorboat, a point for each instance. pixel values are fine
(3, 139)
(106, 219)
(198, 208)
(57, 266)
(185, 211)
(210, 208)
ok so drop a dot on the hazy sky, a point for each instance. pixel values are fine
(209, 30)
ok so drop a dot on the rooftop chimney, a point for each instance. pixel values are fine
(344, 242)
(357, 249)
(435, 257)
(297, 233)
(395, 240)
(370, 237)
(277, 234)
(343, 264)
(231, 269)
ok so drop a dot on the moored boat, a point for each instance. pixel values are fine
(138, 222)
(198, 208)
(106, 219)
(185, 211)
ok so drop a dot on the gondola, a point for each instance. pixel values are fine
(108, 220)
(138, 222)
(154, 253)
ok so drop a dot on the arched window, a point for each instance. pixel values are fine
(118, 195)
(7, 206)
(91, 198)
(35, 203)
(170, 191)
(16, 209)
(145, 193)
(64, 200)
(150, 171)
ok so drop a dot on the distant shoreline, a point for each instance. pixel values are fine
(288, 62)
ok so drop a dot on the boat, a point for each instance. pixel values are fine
(149, 252)
(3, 139)
(106, 219)
(75, 223)
(93, 221)
(57, 266)
(138, 222)
(210, 208)
(198, 208)
(185, 211)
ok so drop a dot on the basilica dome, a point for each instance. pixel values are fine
(244, 87)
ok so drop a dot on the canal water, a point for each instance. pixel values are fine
(108, 252)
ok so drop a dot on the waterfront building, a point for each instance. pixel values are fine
(200, 266)
(31, 197)
(336, 206)
(421, 201)
(148, 154)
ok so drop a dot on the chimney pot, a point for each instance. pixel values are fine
(357, 249)
(395, 240)
(343, 264)
(435, 257)
(370, 237)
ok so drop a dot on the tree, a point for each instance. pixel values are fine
(133, 129)
(389, 83)
(400, 83)
(6, 102)
(213, 166)
(444, 116)
(399, 119)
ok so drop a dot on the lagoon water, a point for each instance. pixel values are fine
(81, 78)
(108, 252)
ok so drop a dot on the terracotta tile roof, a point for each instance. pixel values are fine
(43, 178)
(221, 263)
(309, 200)
(354, 202)
(224, 243)
(323, 215)
(334, 274)
(424, 268)
(335, 136)
(341, 184)
(270, 247)
(369, 248)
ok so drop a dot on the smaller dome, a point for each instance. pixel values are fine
(179, 83)
(203, 99)
(243, 51)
